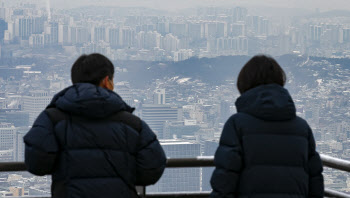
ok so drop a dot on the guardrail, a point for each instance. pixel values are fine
(328, 161)
(335, 163)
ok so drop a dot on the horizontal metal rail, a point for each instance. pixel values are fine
(335, 163)
(332, 193)
(190, 162)
(12, 166)
(201, 161)
(208, 161)
(181, 194)
(328, 193)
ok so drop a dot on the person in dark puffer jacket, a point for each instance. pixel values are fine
(88, 155)
(265, 150)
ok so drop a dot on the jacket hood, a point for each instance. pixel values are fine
(268, 102)
(88, 100)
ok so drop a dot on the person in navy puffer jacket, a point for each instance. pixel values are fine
(265, 150)
(89, 155)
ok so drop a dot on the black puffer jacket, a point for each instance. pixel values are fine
(92, 157)
(266, 151)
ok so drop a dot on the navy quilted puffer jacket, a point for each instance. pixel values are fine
(92, 156)
(266, 151)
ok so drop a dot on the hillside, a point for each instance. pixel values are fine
(217, 70)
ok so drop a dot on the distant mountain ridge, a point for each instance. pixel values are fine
(211, 70)
(333, 13)
(218, 70)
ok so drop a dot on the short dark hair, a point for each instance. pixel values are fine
(260, 70)
(92, 69)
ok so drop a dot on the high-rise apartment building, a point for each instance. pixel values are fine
(7, 141)
(212, 45)
(224, 110)
(221, 29)
(243, 44)
(99, 34)
(265, 27)
(161, 28)
(182, 54)
(51, 33)
(195, 30)
(63, 34)
(346, 34)
(17, 118)
(37, 40)
(210, 30)
(238, 29)
(35, 102)
(178, 29)
(123, 90)
(152, 40)
(148, 40)
(19, 144)
(239, 14)
(127, 37)
(100, 47)
(315, 32)
(25, 27)
(157, 114)
(113, 37)
(159, 96)
(170, 43)
(79, 35)
(179, 179)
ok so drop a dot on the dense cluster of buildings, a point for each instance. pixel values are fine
(205, 32)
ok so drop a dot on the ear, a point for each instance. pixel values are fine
(109, 83)
(104, 82)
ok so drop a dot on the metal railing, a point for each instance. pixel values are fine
(328, 161)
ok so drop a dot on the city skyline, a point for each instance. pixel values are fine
(324, 5)
(170, 5)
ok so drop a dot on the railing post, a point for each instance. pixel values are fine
(141, 191)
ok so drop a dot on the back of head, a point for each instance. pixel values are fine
(260, 70)
(92, 68)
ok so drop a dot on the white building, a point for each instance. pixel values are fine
(159, 96)
(35, 103)
(123, 90)
(7, 141)
(155, 115)
(19, 144)
(183, 54)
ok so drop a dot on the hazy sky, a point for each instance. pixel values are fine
(178, 4)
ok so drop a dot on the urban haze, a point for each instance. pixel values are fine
(180, 56)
